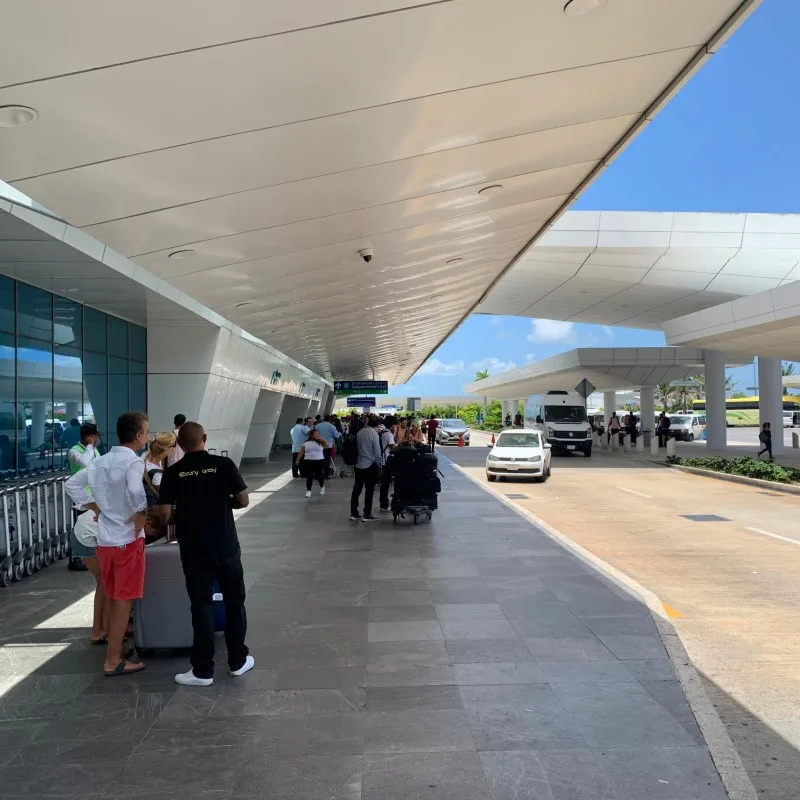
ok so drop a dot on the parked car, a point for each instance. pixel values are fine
(522, 453)
(450, 429)
(686, 427)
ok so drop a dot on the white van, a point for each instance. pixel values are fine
(563, 420)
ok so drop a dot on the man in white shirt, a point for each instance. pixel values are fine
(79, 456)
(299, 434)
(115, 481)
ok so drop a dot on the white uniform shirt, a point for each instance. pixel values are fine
(115, 481)
(81, 457)
(312, 451)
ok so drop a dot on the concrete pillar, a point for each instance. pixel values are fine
(262, 429)
(73, 411)
(328, 402)
(654, 448)
(609, 405)
(770, 399)
(504, 405)
(640, 445)
(626, 444)
(37, 423)
(670, 447)
(716, 425)
(647, 406)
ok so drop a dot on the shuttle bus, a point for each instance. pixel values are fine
(743, 411)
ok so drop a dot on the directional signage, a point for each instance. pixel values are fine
(361, 402)
(358, 387)
(584, 388)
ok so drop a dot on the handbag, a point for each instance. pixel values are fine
(86, 529)
(154, 527)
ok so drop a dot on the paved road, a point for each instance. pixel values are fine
(732, 586)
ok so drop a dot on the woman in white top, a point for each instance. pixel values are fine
(312, 461)
(159, 450)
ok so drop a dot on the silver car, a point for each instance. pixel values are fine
(450, 430)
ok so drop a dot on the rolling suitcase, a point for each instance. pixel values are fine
(162, 619)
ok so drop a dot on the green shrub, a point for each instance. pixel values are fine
(747, 467)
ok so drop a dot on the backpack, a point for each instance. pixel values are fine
(384, 447)
(762, 437)
(350, 451)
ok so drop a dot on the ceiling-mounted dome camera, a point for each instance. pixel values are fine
(367, 253)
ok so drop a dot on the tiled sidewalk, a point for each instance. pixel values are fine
(470, 659)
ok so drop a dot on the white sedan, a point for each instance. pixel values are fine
(519, 453)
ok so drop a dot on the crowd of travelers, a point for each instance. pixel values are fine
(141, 491)
(316, 440)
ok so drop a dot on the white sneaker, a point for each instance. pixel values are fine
(249, 663)
(190, 679)
(308, 493)
(322, 490)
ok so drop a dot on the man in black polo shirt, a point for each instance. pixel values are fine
(204, 490)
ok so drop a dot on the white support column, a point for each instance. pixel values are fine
(770, 399)
(73, 411)
(609, 405)
(263, 425)
(504, 405)
(37, 423)
(716, 425)
(647, 409)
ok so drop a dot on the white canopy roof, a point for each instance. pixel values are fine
(607, 368)
(246, 151)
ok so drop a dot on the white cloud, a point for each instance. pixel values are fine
(608, 331)
(494, 365)
(436, 367)
(496, 320)
(551, 330)
(530, 356)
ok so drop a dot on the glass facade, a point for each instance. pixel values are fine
(61, 364)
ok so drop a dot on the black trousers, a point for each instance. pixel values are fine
(200, 572)
(327, 454)
(365, 480)
(314, 471)
(432, 441)
(295, 468)
(386, 482)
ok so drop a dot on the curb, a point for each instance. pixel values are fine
(772, 486)
(724, 755)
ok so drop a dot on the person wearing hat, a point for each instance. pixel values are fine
(79, 457)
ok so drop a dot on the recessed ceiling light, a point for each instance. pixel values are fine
(245, 303)
(495, 188)
(179, 254)
(17, 116)
(453, 260)
(577, 8)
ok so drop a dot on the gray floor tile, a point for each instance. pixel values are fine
(490, 611)
(635, 647)
(313, 777)
(651, 669)
(546, 775)
(477, 629)
(391, 656)
(404, 631)
(663, 773)
(315, 613)
(306, 735)
(321, 678)
(543, 628)
(468, 651)
(416, 732)
(568, 649)
(463, 596)
(414, 698)
(413, 676)
(622, 626)
(585, 671)
(400, 598)
(402, 614)
(493, 674)
(432, 776)
(58, 780)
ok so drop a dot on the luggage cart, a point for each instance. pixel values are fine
(34, 526)
(419, 512)
(27, 548)
(63, 509)
(10, 569)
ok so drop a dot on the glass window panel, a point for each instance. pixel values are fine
(12, 423)
(94, 330)
(8, 315)
(35, 395)
(34, 313)
(138, 343)
(137, 392)
(68, 410)
(95, 397)
(117, 393)
(117, 337)
(68, 323)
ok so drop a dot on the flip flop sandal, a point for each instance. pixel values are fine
(120, 669)
(100, 640)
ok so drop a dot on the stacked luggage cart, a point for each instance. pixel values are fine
(35, 517)
(416, 483)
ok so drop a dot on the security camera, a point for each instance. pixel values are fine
(367, 254)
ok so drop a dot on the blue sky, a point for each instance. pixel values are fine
(727, 143)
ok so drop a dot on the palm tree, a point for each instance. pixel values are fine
(787, 369)
(481, 374)
(665, 393)
(700, 380)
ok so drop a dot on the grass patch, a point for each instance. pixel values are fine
(747, 467)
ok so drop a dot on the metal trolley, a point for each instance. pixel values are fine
(35, 520)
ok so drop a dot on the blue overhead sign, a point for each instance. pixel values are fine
(360, 402)
(361, 387)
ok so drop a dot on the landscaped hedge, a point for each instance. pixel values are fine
(747, 467)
